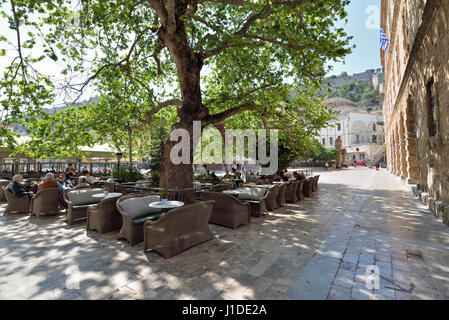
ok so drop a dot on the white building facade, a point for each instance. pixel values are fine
(361, 132)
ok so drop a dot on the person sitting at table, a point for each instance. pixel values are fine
(49, 182)
(69, 172)
(214, 177)
(89, 178)
(249, 177)
(17, 188)
(284, 176)
(82, 183)
(64, 183)
(299, 176)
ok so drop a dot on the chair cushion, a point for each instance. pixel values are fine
(84, 196)
(152, 198)
(142, 219)
(139, 206)
(251, 193)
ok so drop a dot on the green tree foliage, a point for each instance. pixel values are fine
(211, 59)
(322, 154)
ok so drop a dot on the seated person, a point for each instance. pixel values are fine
(69, 172)
(64, 183)
(17, 188)
(82, 183)
(49, 182)
(299, 176)
(89, 178)
(214, 176)
(249, 177)
(284, 176)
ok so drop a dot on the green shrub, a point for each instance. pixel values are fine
(128, 174)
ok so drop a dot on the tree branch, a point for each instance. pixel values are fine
(219, 117)
(149, 115)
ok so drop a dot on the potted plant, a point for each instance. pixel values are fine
(164, 196)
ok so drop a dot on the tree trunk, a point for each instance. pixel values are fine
(189, 66)
(177, 175)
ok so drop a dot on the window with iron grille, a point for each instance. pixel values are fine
(431, 124)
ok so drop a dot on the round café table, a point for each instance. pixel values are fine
(166, 207)
(109, 195)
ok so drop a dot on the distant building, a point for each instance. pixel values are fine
(374, 76)
(361, 132)
(416, 103)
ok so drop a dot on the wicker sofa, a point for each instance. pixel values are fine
(299, 193)
(135, 211)
(46, 203)
(104, 216)
(179, 229)
(78, 201)
(291, 192)
(16, 204)
(271, 199)
(281, 199)
(315, 183)
(228, 210)
(307, 187)
(3, 183)
(256, 197)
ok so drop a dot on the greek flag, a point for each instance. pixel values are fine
(384, 42)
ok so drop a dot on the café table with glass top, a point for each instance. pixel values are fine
(106, 195)
(166, 206)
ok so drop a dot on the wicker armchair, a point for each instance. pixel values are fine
(133, 221)
(16, 204)
(78, 200)
(228, 210)
(46, 202)
(185, 195)
(291, 191)
(104, 216)
(123, 189)
(315, 183)
(299, 193)
(281, 198)
(257, 200)
(179, 229)
(271, 199)
(3, 183)
(307, 187)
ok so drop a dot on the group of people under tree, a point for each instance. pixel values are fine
(64, 182)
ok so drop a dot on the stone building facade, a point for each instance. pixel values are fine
(416, 101)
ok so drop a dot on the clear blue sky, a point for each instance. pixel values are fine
(364, 25)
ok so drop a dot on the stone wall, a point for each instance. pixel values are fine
(418, 53)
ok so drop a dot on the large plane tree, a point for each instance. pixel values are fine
(212, 59)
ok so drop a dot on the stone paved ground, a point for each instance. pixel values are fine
(317, 249)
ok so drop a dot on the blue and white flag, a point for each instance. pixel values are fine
(384, 42)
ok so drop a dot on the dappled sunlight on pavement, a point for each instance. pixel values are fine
(319, 248)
